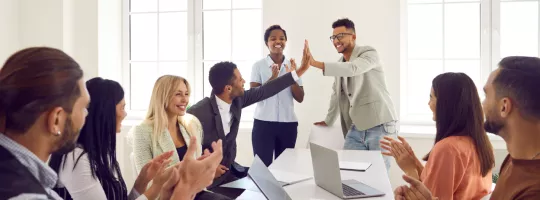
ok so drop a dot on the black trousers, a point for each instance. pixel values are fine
(272, 138)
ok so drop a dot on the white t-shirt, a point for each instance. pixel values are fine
(79, 181)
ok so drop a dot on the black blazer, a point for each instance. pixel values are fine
(207, 112)
(16, 179)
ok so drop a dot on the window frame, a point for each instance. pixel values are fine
(489, 53)
(195, 61)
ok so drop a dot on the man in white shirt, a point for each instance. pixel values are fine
(220, 114)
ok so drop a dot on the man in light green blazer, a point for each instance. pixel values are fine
(359, 92)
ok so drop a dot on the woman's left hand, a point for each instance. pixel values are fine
(404, 158)
(150, 170)
(292, 67)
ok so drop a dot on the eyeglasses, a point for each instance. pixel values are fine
(339, 36)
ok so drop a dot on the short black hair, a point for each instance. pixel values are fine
(220, 75)
(270, 29)
(519, 80)
(344, 22)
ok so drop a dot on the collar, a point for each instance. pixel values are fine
(222, 105)
(354, 52)
(43, 173)
(270, 62)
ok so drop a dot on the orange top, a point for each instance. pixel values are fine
(453, 170)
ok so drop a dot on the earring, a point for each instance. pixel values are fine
(58, 133)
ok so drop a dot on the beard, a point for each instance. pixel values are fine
(344, 50)
(493, 126)
(237, 92)
(68, 139)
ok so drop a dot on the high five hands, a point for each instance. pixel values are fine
(311, 61)
(304, 66)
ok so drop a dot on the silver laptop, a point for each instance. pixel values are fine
(266, 182)
(328, 176)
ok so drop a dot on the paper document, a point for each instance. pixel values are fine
(354, 166)
(283, 177)
(288, 178)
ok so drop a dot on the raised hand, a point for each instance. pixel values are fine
(404, 156)
(292, 67)
(275, 71)
(311, 60)
(169, 185)
(389, 140)
(196, 174)
(162, 175)
(306, 57)
(416, 191)
(150, 170)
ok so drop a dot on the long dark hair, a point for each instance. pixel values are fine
(459, 113)
(98, 136)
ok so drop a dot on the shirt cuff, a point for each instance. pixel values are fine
(135, 195)
(294, 75)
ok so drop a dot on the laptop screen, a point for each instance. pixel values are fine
(266, 182)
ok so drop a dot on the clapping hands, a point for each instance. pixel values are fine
(403, 153)
(416, 191)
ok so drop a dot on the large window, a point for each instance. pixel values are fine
(185, 38)
(232, 30)
(468, 36)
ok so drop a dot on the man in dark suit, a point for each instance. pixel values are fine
(220, 113)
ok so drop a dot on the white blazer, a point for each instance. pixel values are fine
(144, 148)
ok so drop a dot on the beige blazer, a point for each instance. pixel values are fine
(370, 104)
(144, 148)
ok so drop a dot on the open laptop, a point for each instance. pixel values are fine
(266, 182)
(328, 176)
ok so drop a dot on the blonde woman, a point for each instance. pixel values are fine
(167, 126)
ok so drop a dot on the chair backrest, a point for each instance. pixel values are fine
(133, 165)
(327, 136)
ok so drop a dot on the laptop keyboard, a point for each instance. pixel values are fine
(349, 191)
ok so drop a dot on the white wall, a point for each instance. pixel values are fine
(377, 25)
(9, 29)
(41, 23)
(63, 24)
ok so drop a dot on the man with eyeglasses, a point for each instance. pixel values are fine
(359, 92)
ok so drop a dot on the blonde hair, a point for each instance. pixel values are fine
(163, 91)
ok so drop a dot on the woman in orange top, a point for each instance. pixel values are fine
(460, 162)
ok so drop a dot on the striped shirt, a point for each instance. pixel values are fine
(43, 173)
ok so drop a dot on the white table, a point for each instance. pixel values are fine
(299, 161)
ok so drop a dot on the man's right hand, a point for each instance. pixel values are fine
(323, 123)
